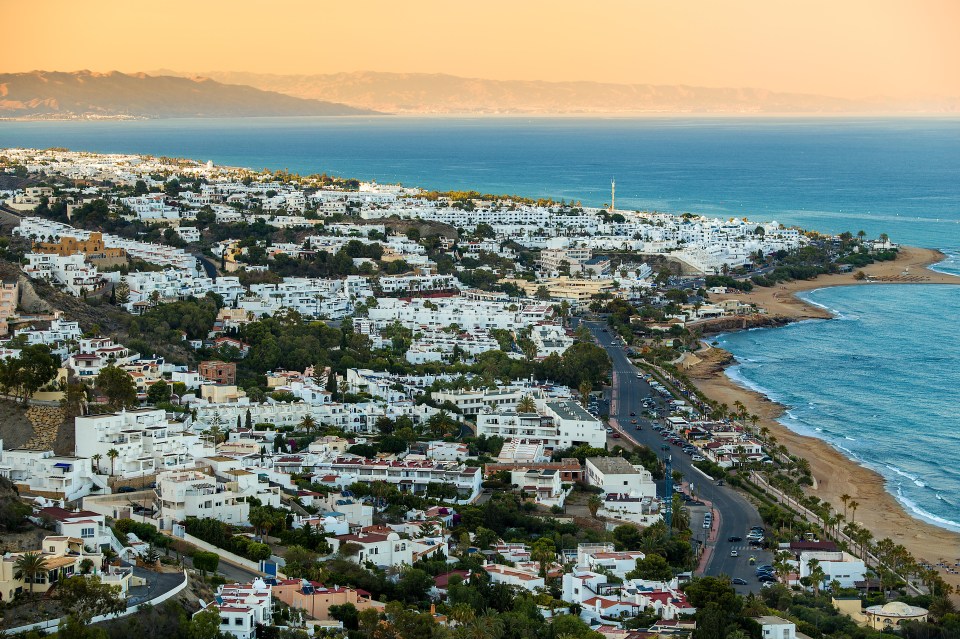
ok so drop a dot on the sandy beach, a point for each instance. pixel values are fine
(836, 474)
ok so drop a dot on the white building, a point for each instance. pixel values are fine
(71, 272)
(447, 451)
(617, 475)
(242, 607)
(380, 546)
(526, 579)
(543, 483)
(40, 472)
(412, 476)
(603, 557)
(776, 627)
(145, 442)
(836, 565)
(192, 493)
(87, 525)
(557, 424)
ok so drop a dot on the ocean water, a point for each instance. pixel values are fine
(896, 176)
(881, 382)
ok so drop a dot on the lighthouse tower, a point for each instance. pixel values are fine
(613, 195)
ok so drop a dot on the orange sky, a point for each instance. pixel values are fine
(846, 48)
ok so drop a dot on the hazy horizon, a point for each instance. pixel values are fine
(860, 49)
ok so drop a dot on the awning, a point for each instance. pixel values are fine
(63, 465)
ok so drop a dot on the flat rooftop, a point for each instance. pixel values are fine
(569, 409)
(613, 465)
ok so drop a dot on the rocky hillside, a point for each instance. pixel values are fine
(44, 94)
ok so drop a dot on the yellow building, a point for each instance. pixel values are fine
(62, 558)
(9, 297)
(221, 394)
(94, 249)
(892, 615)
(566, 288)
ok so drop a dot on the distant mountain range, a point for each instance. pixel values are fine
(446, 94)
(170, 94)
(43, 94)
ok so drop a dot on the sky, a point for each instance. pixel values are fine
(842, 48)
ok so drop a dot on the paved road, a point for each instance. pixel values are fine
(232, 572)
(207, 265)
(157, 584)
(733, 514)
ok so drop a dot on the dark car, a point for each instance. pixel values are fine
(632, 414)
(735, 539)
(126, 489)
(739, 582)
(767, 579)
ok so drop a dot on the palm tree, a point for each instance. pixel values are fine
(853, 507)
(585, 388)
(527, 405)
(113, 453)
(845, 498)
(462, 613)
(817, 575)
(308, 423)
(594, 504)
(28, 566)
(96, 461)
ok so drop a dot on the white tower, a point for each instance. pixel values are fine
(613, 195)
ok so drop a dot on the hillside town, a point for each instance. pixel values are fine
(350, 402)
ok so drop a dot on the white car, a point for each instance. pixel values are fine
(734, 553)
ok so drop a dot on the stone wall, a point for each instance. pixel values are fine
(46, 421)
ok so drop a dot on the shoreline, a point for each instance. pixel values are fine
(836, 474)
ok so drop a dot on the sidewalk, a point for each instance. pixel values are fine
(711, 541)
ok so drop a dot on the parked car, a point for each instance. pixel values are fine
(734, 539)
(739, 582)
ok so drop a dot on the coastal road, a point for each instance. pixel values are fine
(733, 515)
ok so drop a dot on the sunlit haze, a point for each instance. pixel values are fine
(852, 49)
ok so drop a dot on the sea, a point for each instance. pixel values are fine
(880, 382)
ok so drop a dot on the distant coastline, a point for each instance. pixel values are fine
(834, 472)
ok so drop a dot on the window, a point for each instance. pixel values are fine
(86, 533)
(238, 621)
(224, 621)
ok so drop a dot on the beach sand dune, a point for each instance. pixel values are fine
(834, 473)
